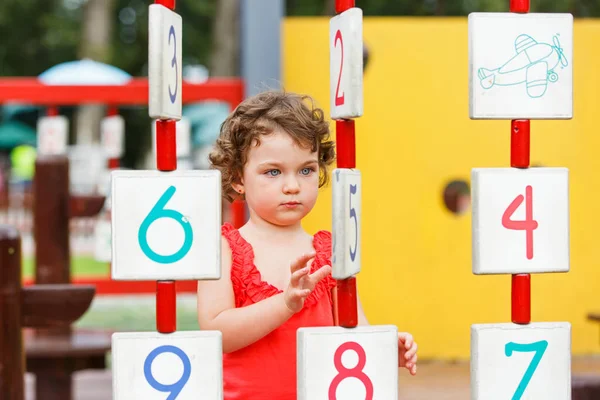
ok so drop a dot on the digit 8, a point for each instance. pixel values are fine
(356, 372)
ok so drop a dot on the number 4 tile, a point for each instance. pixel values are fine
(351, 364)
(520, 220)
(510, 361)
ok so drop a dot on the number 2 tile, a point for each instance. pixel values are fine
(351, 364)
(520, 220)
(346, 64)
(181, 365)
(510, 361)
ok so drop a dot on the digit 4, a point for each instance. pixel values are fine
(528, 225)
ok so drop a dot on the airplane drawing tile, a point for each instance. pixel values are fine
(520, 66)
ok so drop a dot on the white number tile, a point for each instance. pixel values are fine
(520, 220)
(510, 361)
(346, 64)
(164, 63)
(112, 135)
(346, 222)
(369, 352)
(166, 225)
(520, 65)
(155, 366)
(53, 135)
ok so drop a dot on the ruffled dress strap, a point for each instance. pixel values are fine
(245, 277)
(246, 280)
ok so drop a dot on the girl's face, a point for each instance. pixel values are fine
(280, 179)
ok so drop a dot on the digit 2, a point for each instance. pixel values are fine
(528, 225)
(339, 100)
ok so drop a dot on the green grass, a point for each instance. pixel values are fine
(80, 266)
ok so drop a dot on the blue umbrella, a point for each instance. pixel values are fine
(84, 72)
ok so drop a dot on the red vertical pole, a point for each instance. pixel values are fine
(346, 158)
(166, 160)
(519, 158)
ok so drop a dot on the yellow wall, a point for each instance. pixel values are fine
(416, 135)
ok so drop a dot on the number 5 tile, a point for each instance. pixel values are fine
(520, 220)
(510, 361)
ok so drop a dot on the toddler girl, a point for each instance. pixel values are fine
(273, 151)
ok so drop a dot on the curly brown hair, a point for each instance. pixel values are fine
(261, 115)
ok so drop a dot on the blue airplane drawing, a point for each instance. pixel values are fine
(534, 64)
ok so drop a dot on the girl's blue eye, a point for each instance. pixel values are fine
(273, 172)
(306, 171)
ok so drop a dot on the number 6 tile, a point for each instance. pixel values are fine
(510, 361)
(166, 225)
(351, 364)
(520, 220)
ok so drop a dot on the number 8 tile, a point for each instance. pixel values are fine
(520, 220)
(351, 364)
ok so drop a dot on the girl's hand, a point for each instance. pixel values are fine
(407, 352)
(302, 283)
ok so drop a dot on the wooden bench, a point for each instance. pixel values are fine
(585, 387)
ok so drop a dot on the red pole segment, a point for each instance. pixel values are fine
(519, 143)
(166, 160)
(343, 5)
(519, 6)
(347, 299)
(521, 299)
(346, 158)
(166, 306)
(166, 145)
(170, 4)
(519, 158)
(346, 143)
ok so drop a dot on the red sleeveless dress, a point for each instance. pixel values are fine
(266, 369)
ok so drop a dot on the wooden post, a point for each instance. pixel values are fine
(51, 226)
(12, 362)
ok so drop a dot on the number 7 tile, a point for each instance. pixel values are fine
(510, 361)
(520, 220)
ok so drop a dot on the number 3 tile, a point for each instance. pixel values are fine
(510, 361)
(520, 220)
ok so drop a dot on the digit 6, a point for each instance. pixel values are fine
(158, 211)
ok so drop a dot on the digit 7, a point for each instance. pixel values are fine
(539, 348)
(528, 225)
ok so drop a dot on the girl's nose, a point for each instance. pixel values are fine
(291, 186)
